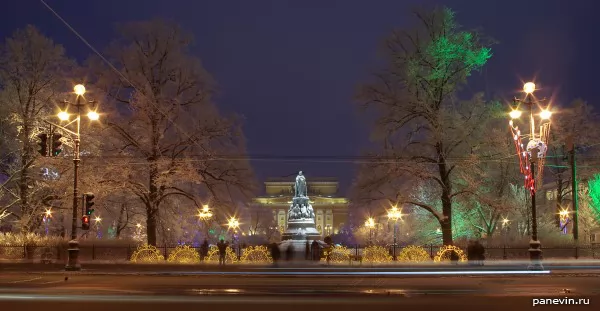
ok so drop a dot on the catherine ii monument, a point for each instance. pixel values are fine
(301, 216)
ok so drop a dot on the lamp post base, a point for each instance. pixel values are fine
(535, 256)
(73, 261)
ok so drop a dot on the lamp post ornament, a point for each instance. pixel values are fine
(531, 155)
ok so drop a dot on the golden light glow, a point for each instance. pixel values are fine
(205, 213)
(63, 116)
(376, 254)
(79, 89)
(515, 114)
(98, 219)
(445, 252)
(564, 213)
(545, 114)
(505, 222)
(370, 223)
(147, 254)
(138, 225)
(256, 254)
(213, 255)
(413, 253)
(184, 254)
(395, 213)
(48, 213)
(92, 115)
(529, 87)
(233, 223)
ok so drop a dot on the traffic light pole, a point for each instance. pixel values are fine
(73, 261)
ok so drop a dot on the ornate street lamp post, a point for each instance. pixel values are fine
(205, 214)
(395, 214)
(531, 155)
(370, 223)
(79, 90)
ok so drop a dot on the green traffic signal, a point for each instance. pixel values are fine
(56, 144)
(88, 199)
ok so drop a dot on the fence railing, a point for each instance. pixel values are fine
(122, 253)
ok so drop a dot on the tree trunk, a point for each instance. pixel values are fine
(446, 199)
(24, 181)
(151, 225)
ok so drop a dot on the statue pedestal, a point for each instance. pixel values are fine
(301, 230)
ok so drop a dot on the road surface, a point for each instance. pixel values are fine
(87, 292)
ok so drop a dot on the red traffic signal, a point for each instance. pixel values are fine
(85, 222)
(43, 143)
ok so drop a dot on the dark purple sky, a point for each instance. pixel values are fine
(291, 67)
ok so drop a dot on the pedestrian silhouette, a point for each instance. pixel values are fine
(289, 253)
(275, 253)
(222, 246)
(204, 249)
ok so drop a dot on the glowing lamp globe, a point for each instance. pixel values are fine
(529, 87)
(515, 114)
(545, 114)
(63, 116)
(79, 89)
(92, 115)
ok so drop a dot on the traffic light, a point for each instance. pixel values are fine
(88, 202)
(85, 222)
(56, 144)
(43, 143)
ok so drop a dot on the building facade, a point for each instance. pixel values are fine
(331, 210)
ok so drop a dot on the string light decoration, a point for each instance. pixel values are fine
(213, 255)
(338, 254)
(256, 254)
(414, 253)
(376, 254)
(446, 251)
(184, 254)
(537, 142)
(147, 254)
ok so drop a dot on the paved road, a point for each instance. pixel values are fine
(84, 292)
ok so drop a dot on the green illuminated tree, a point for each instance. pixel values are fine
(594, 196)
(427, 134)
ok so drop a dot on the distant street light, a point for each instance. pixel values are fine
(370, 223)
(205, 214)
(395, 214)
(531, 155)
(233, 225)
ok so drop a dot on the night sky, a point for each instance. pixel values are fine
(290, 68)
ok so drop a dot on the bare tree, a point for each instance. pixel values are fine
(32, 75)
(171, 124)
(427, 133)
(576, 123)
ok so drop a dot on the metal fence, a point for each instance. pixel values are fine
(120, 253)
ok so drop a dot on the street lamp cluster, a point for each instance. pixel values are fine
(395, 214)
(63, 115)
(531, 155)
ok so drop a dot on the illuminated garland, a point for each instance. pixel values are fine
(376, 254)
(147, 254)
(184, 254)
(256, 254)
(414, 253)
(337, 254)
(524, 154)
(446, 251)
(213, 255)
